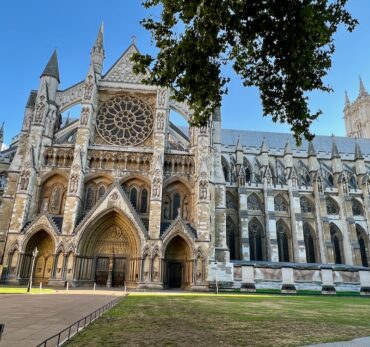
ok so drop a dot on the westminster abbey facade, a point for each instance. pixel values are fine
(123, 197)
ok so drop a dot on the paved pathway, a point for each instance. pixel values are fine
(360, 342)
(30, 319)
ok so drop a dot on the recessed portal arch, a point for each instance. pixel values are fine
(178, 263)
(108, 252)
(44, 260)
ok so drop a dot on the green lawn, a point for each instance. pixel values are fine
(23, 290)
(228, 320)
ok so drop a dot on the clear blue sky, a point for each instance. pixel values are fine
(30, 30)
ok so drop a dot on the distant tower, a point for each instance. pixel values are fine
(357, 114)
(1, 136)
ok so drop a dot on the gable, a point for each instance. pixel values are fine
(121, 71)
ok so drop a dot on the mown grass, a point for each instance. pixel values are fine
(228, 320)
(23, 290)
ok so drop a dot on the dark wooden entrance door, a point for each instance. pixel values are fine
(118, 276)
(101, 273)
(174, 275)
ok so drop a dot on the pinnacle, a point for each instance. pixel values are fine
(346, 98)
(100, 37)
(264, 147)
(334, 151)
(358, 153)
(288, 149)
(52, 68)
(239, 146)
(363, 91)
(311, 149)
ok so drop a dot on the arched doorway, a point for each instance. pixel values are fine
(44, 261)
(178, 264)
(108, 253)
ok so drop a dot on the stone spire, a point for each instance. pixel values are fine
(346, 99)
(287, 149)
(363, 91)
(97, 51)
(264, 147)
(52, 68)
(358, 153)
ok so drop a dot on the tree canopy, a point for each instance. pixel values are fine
(283, 47)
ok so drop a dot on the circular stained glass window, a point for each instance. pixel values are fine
(124, 120)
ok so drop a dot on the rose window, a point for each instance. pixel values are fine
(124, 120)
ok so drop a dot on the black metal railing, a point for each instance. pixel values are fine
(65, 335)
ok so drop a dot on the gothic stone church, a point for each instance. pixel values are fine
(122, 196)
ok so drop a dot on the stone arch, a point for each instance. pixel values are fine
(336, 238)
(44, 241)
(231, 201)
(257, 247)
(248, 170)
(178, 261)
(110, 244)
(93, 189)
(135, 188)
(363, 243)
(310, 242)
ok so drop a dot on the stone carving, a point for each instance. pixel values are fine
(162, 96)
(74, 182)
(85, 112)
(88, 88)
(124, 120)
(113, 196)
(156, 191)
(69, 96)
(203, 189)
(112, 240)
(40, 109)
(24, 179)
(160, 121)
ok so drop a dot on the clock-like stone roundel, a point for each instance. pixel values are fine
(124, 120)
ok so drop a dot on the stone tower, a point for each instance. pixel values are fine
(357, 114)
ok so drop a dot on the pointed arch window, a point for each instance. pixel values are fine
(280, 204)
(133, 197)
(90, 198)
(362, 242)
(55, 200)
(101, 192)
(176, 204)
(225, 169)
(305, 205)
(282, 240)
(331, 206)
(231, 201)
(309, 242)
(357, 209)
(255, 240)
(254, 203)
(336, 241)
(231, 237)
(144, 201)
